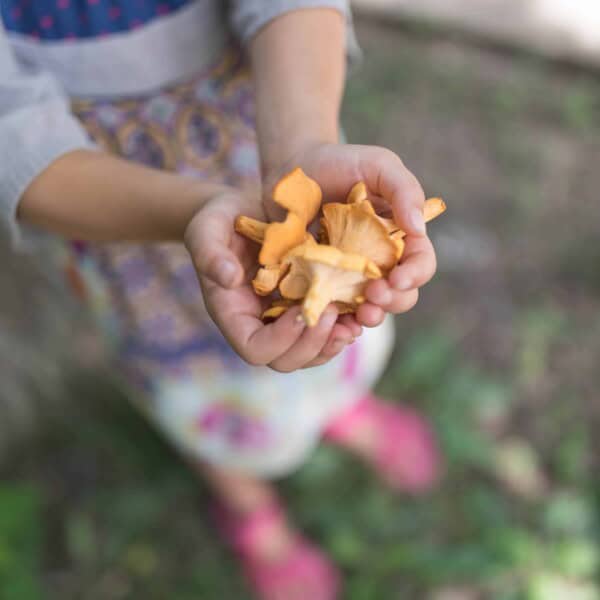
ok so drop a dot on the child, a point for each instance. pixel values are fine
(167, 140)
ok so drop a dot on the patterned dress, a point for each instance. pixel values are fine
(183, 374)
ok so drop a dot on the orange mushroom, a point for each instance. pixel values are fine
(323, 274)
(267, 279)
(278, 307)
(280, 238)
(354, 228)
(298, 194)
(358, 193)
(399, 242)
(251, 228)
(356, 245)
(281, 306)
(301, 197)
(432, 208)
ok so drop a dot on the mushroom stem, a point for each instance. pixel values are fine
(251, 228)
(433, 208)
(316, 301)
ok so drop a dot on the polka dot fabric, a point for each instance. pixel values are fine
(55, 20)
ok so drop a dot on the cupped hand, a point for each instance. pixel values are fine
(337, 167)
(226, 263)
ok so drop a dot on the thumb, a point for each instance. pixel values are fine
(387, 176)
(208, 238)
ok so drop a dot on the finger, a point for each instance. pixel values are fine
(370, 315)
(319, 361)
(339, 338)
(402, 302)
(257, 343)
(309, 345)
(418, 265)
(208, 239)
(329, 352)
(386, 176)
(352, 324)
(379, 292)
(389, 299)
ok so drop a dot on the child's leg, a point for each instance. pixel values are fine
(277, 560)
(244, 496)
(393, 439)
(199, 393)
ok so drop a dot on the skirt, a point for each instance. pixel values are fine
(184, 376)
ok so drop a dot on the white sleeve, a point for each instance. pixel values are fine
(247, 17)
(36, 127)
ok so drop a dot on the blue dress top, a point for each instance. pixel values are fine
(71, 19)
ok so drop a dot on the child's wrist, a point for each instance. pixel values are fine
(279, 155)
(188, 198)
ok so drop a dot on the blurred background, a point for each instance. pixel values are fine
(501, 117)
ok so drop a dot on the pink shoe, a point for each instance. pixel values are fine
(406, 455)
(304, 573)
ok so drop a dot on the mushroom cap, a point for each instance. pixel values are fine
(322, 274)
(276, 238)
(301, 197)
(280, 238)
(356, 229)
(432, 208)
(330, 256)
(298, 194)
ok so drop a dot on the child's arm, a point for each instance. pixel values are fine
(298, 63)
(48, 178)
(98, 197)
(93, 196)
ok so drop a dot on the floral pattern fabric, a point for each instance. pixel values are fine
(73, 19)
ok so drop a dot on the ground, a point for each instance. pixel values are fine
(502, 351)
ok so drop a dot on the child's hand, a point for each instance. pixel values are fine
(337, 167)
(226, 263)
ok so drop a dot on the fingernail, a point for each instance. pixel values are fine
(403, 283)
(227, 272)
(417, 220)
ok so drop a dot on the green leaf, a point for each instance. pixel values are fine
(569, 512)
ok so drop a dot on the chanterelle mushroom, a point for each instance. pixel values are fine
(278, 307)
(298, 194)
(267, 279)
(356, 245)
(322, 274)
(301, 197)
(355, 228)
(433, 208)
(358, 193)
